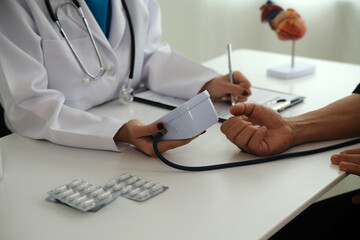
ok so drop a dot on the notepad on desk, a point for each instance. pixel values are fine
(276, 100)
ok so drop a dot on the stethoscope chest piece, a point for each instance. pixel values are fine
(126, 94)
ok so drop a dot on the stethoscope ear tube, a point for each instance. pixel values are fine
(247, 162)
(132, 36)
(76, 3)
(51, 13)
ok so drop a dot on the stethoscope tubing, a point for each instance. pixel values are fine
(247, 162)
(55, 18)
(76, 4)
(132, 36)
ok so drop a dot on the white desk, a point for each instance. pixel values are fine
(250, 202)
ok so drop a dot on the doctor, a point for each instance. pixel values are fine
(45, 90)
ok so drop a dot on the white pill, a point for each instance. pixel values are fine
(75, 182)
(140, 182)
(82, 186)
(72, 196)
(97, 192)
(87, 203)
(66, 193)
(124, 176)
(132, 180)
(144, 194)
(126, 189)
(59, 189)
(89, 189)
(111, 183)
(80, 199)
(134, 192)
(104, 195)
(119, 186)
(148, 185)
(157, 187)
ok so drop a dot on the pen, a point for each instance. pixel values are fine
(281, 107)
(230, 71)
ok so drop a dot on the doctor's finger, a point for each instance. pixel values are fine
(236, 90)
(149, 130)
(239, 78)
(240, 99)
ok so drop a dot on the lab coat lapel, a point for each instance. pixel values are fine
(118, 23)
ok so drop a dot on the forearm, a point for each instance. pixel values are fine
(338, 120)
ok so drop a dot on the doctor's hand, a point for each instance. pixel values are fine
(349, 161)
(140, 135)
(257, 129)
(220, 88)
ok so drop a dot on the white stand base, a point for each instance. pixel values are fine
(287, 72)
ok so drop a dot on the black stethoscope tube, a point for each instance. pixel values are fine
(52, 15)
(132, 35)
(247, 162)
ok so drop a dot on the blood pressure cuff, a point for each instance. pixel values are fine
(357, 89)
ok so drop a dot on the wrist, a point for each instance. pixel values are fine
(205, 86)
(303, 130)
(122, 135)
(296, 133)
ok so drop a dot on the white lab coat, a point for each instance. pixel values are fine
(41, 82)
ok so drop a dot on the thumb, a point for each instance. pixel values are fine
(242, 109)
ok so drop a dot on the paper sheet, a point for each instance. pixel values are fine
(265, 97)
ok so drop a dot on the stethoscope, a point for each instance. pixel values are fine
(126, 94)
(158, 136)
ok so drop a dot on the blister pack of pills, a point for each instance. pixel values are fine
(134, 188)
(82, 195)
(87, 197)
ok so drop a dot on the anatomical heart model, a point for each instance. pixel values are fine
(288, 25)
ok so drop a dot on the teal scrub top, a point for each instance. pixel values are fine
(101, 9)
